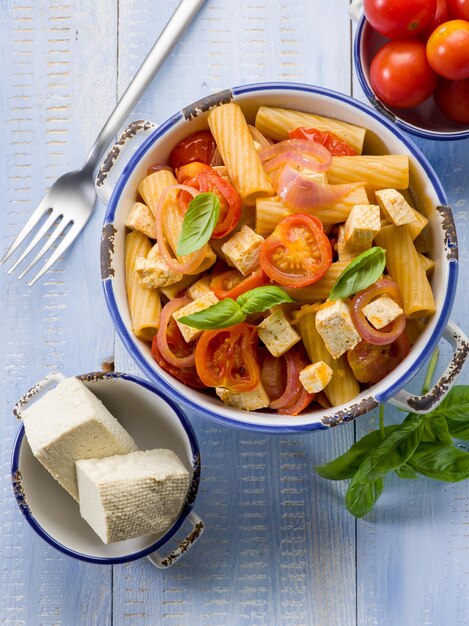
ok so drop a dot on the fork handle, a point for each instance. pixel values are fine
(181, 18)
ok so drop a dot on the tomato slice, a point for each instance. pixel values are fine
(232, 284)
(180, 348)
(199, 146)
(204, 178)
(371, 363)
(228, 358)
(297, 253)
(335, 145)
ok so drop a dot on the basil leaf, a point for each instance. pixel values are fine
(346, 465)
(361, 497)
(395, 450)
(200, 219)
(435, 428)
(456, 404)
(406, 472)
(458, 430)
(262, 298)
(362, 272)
(441, 462)
(220, 315)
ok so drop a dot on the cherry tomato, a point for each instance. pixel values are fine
(232, 284)
(204, 178)
(452, 98)
(401, 75)
(335, 145)
(441, 16)
(180, 348)
(371, 363)
(297, 253)
(458, 9)
(399, 19)
(448, 50)
(228, 358)
(199, 146)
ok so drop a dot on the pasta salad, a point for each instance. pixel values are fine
(276, 265)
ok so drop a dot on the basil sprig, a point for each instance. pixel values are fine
(422, 444)
(362, 272)
(199, 222)
(229, 312)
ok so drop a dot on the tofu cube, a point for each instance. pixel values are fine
(200, 288)
(134, 494)
(345, 251)
(395, 207)
(316, 376)
(317, 177)
(172, 291)
(153, 272)
(247, 400)
(70, 423)
(141, 218)
(242, 250)
(276, 333)
(335, 325)
(382, 311)
(204, 302)
(362, 226)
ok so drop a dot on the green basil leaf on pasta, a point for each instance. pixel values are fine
(346, 465)
(441, 462)
(200, 219)
(262, 298)
(362, 272)
(361, 497)
(223, 314)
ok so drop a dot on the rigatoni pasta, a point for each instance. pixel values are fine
(271, 227)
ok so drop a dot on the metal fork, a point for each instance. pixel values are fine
(70, 201)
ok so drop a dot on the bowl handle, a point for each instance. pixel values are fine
(117, 157)
(355, 10)
(162, 562)
(426, 403)
(51, 379)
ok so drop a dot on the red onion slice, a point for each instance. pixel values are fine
(161, 339)
(363, 326)
(305, 146)
(300, 193)
(293, 387)
(196, 258)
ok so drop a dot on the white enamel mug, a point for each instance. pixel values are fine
(143, 144)
(154, 421)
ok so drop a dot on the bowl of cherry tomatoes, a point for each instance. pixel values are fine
(412, 62)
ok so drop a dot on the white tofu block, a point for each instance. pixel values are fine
(200, 288)
(316, 376)
(317, 177)
(204, 302)
(247, 400)
(153, 271)
(345, 251)
(382, 311)
(362, 226)
(276, 333)
(395, 207)
(69, 423)
(242, 250)
(334, 324)
(141, 218)
(129, 495)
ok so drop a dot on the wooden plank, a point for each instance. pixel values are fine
(51, 106)
(279, 548)
(411, 550)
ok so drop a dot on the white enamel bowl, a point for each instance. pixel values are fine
(154, 422)
(117, 183)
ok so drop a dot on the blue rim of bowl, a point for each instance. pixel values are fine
(128, 339)
(187, 508)
(415, 130)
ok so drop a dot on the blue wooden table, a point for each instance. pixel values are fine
(280, 548)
